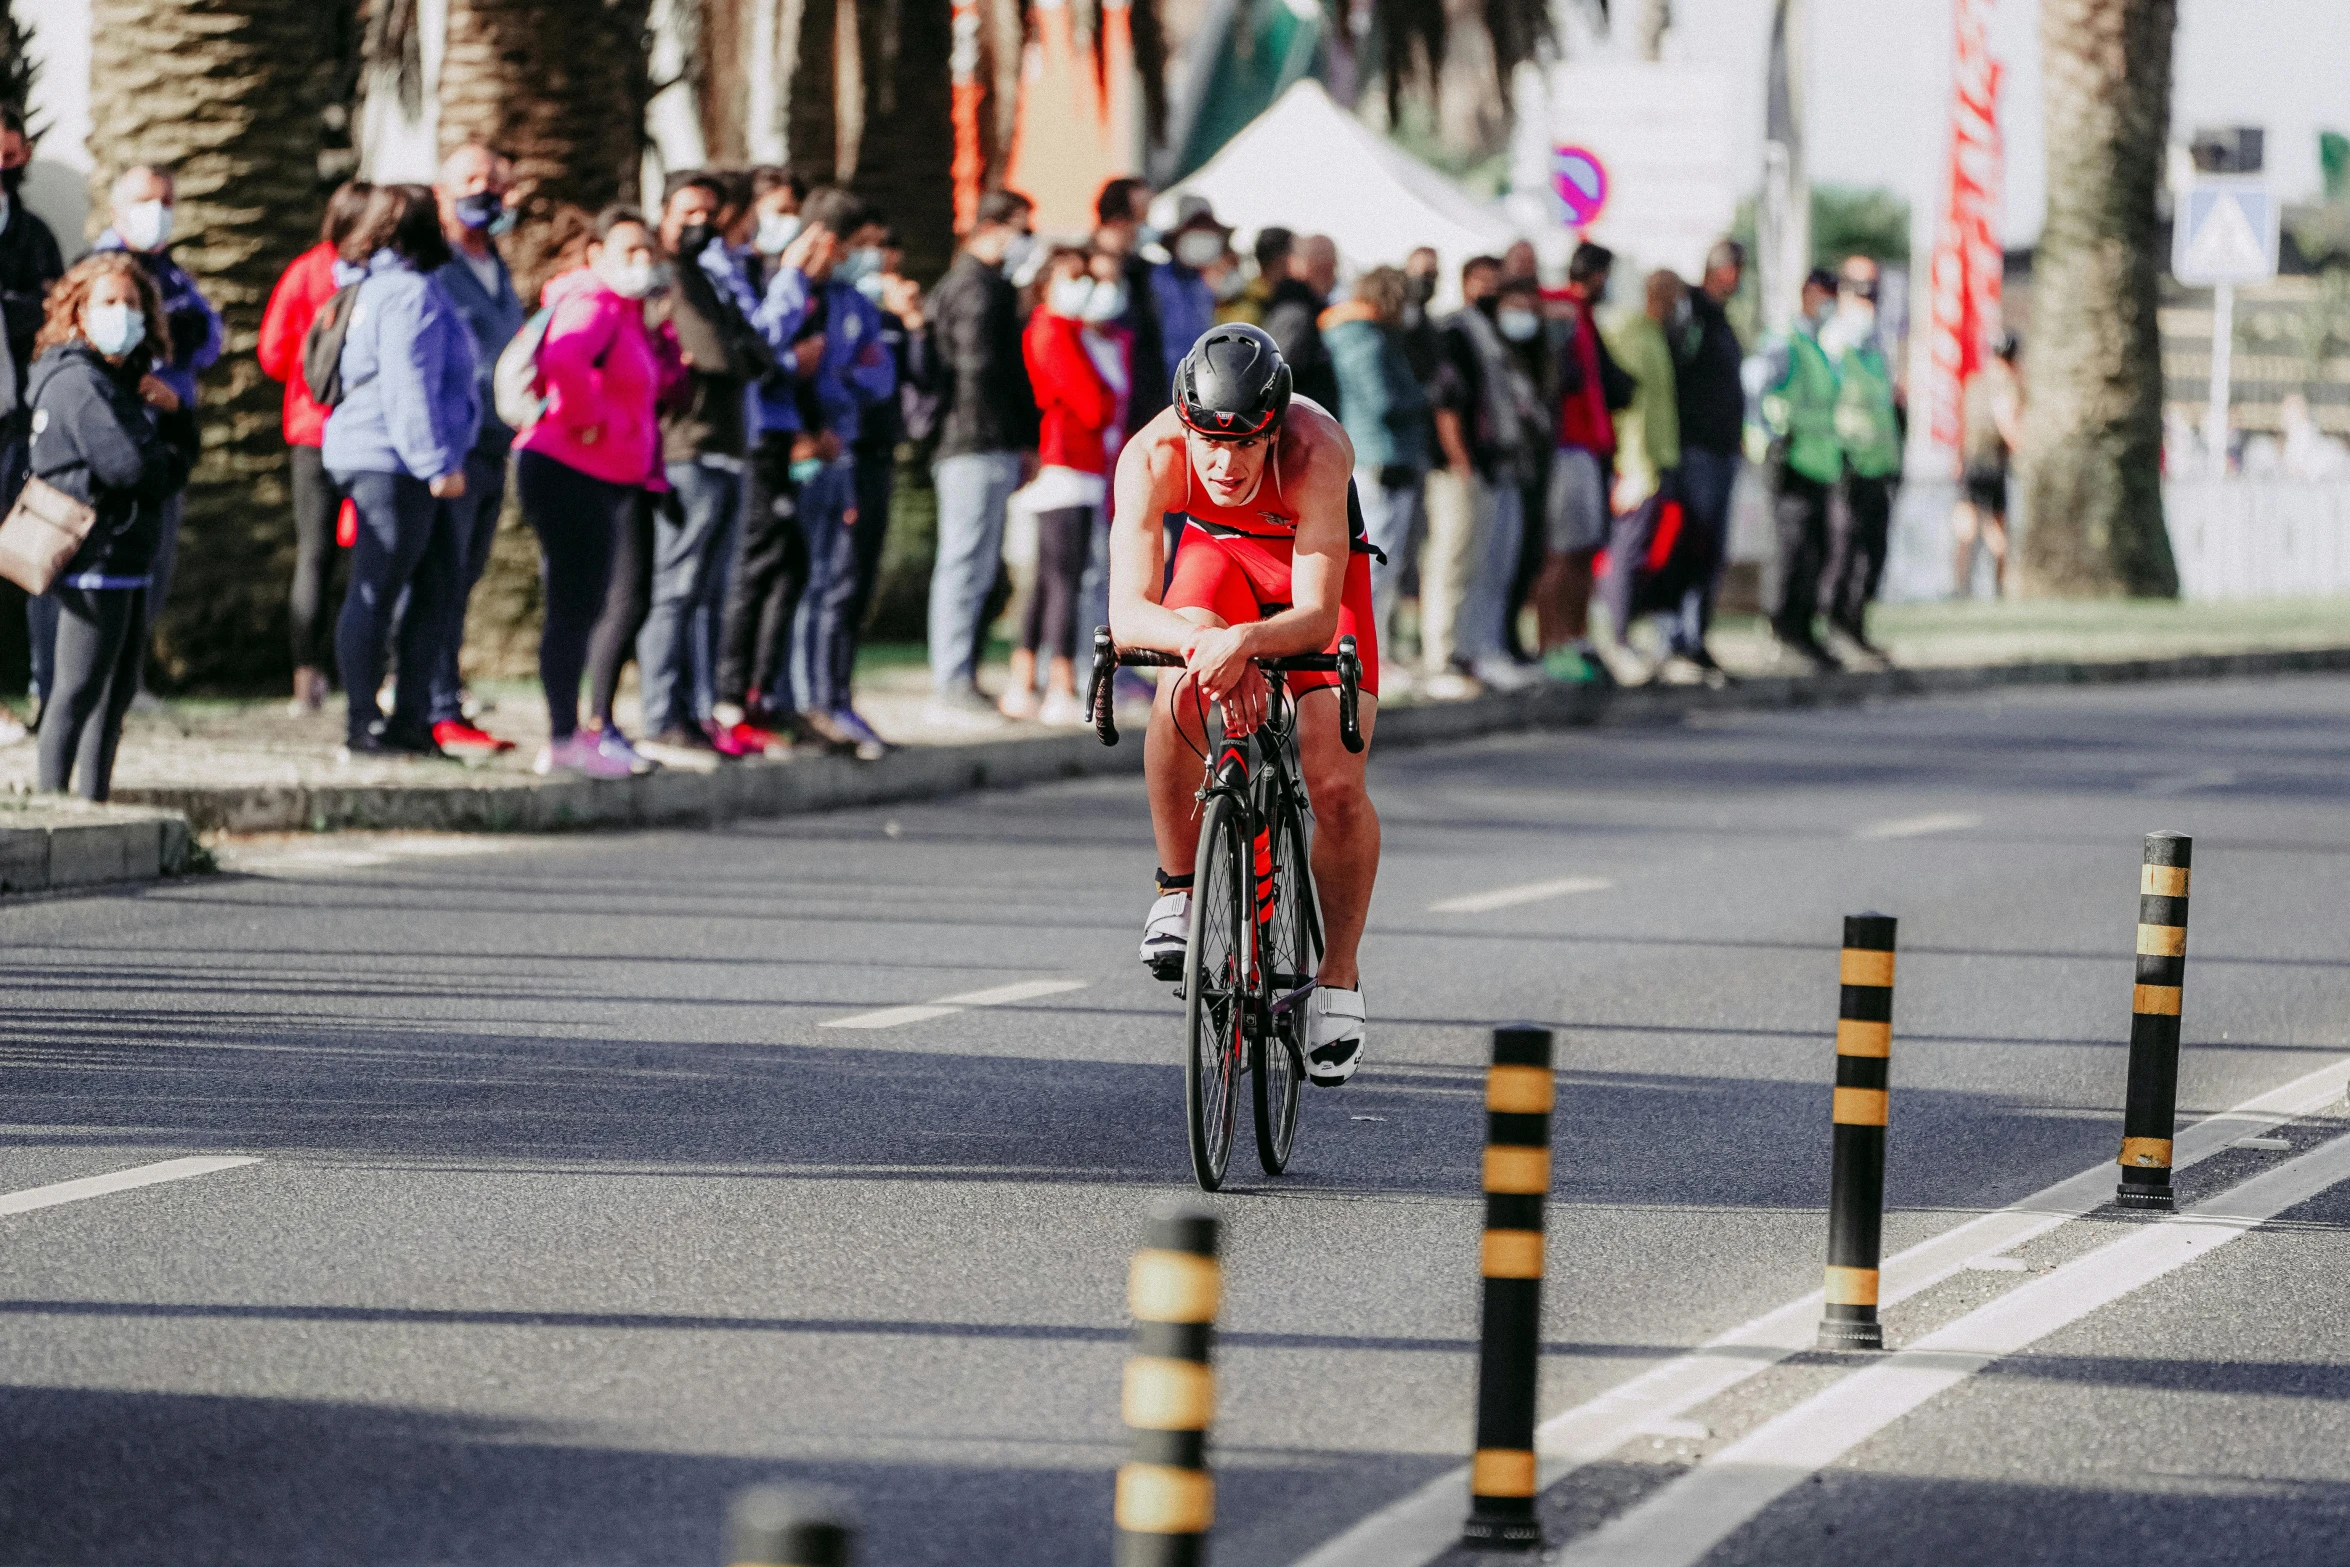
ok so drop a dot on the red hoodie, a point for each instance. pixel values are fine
(1078, 405)
(307, 284)
(1584, 419)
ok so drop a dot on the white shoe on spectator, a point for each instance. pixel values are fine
(1062, 710)
(1500, 672)
(582, 754)
(1450, 685)
(967, 710)
(11, 732)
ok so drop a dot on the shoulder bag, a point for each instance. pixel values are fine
(41, 534)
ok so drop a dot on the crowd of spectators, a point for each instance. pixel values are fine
(704, 412)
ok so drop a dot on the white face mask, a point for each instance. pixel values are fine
(1019, 250)
(114, 329)
(629, 279)
(1518, 325)
(1107, 304)
(1069, 296)
(144, 225)
(776, 231)
(1197, 248)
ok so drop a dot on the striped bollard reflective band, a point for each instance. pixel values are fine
(779, 1526)
(1856, 1184)
(1519, 1091)
(2151, 1110)
(1166, 1498)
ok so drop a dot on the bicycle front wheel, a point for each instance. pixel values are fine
(1293, 945)
(1216, 989)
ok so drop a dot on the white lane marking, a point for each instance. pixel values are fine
(116, 1181)
(1997, 1265)
(1919, 826)
(998, 996)
(1420, 1527)
(1524, 892)
(1677, 1525)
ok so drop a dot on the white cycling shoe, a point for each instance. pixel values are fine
(1334, 1035)
(1166, 935)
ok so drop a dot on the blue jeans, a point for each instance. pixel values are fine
(823, 618)
(972, 492)
(1707, 479)
(1394, 520)
(473, 524)
(1489, 589)
(687, 538)
(406, 544)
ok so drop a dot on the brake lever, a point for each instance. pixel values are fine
(1101, 696)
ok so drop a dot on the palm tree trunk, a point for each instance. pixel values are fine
(560, 87)
(228, 93)
(2093, 367)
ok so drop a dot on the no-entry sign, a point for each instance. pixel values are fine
(1581, 182)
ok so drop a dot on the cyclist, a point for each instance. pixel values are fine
(1270, 563)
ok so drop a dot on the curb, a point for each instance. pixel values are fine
(119, 845)
(756, 789)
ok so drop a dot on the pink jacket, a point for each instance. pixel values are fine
(602, 372)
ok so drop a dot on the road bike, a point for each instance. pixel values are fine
(1256, 923)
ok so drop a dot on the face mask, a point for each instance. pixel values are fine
(479, 211)
(114, 329)
(10, 179)
(1198, 248)
(1019, 250)
(631, 279)
(1070, 296)
(873, 286)
(1518, 325)
(1420, 287)
(1107, 303)
(859, 265)
(776, 231)
(692, 238)
(146, 225)
(503, 223)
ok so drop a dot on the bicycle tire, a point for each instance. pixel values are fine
(1216, 989)
(1292, 953)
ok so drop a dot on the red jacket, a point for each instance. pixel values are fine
(1078, 405)
(307, 284)
(1584, 419)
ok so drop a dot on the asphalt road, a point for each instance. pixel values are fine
(571, 1215)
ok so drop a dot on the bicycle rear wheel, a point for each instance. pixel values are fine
(1216, 989)
(1292, 953)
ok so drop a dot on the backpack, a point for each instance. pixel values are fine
(322, 347)
(515, 390)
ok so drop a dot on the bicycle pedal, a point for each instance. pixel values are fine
(1168, 969)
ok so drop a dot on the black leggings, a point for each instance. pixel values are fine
(317, 502)
(100, 646)
(1064, 539)
(627, 600)
(763, 586)
(576, 517)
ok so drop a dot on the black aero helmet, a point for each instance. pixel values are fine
(1232, 385)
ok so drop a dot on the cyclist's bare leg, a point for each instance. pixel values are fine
(1172, 760)
(1346, 828)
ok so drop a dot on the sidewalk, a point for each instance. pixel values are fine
(251, 767)
(50, 844)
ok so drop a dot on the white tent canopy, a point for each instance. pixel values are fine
(1308, 165)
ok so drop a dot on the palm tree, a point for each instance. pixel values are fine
(228, 94)
(2093, 369)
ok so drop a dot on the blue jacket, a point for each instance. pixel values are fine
(857, 369)
(194, 324)
(94, 439)
(1187, 308)
(410, 403)
(775, 402)
(1381, 403)
(494, 318)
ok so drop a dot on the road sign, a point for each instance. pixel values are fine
(2225, 231)
(1581, 182)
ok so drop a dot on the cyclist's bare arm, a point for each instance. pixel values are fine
(1147, 485)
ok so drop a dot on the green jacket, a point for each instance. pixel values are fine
(1799, 406)
(1865, 424)
(1648, 430)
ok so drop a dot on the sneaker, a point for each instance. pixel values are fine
(1679, 669)
(1062, 710)
(579, 753)
(1166, 935)
(11, 732)
(1568, 666)
(1625, 665)
(1334, 1035)
(1500, 672)
(736, 739)
(409, 742)
(870, 746)
(1450, 685)
(1805, 656)
(967, 711)
(454, 734)
(612, 743)
(1019, 705)
(689, 749)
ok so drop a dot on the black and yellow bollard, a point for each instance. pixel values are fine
(779, 1526)
(1520, 1088)
(2151, 1110)
(1856, 1184)
(1166, 1497)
